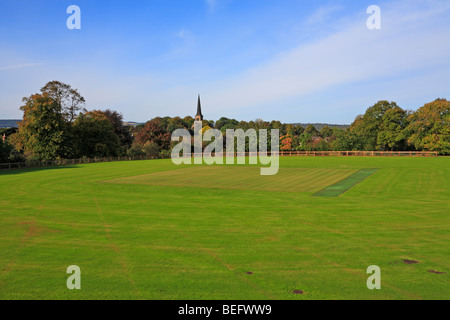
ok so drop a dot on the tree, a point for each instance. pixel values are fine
(188, 122)
(391, 135)
(290, 130)
(345, 140)
(367, 126)
(135, 150)
(94, 136)
(243, 125)
(286, 143)
(5, 150)
(221, 122)
(326, 132)
(153, 132)
(299, 129)
(311, 130)
(176, 123)
(319, 144)
(224, 123)
(429, 127)
(304, 141)
(151, 149)
(276, 125)
(43, 132)
(121, 130)
(68, 100)
(260, 124)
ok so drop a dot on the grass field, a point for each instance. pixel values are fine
(152, 230)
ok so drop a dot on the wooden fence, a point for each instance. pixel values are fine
(65, 162)
(333, 154)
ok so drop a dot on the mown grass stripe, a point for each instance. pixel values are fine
(346, 184)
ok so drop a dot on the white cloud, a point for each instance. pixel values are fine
(323, 13)
(409, 57)
(21, 66)
(414, 37)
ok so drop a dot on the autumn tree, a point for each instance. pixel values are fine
(153, 132)
(429, 127)
(286, 143)
(43, 132)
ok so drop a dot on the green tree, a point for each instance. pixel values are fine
(391, 134)
(429, 127)
(326, 132)
(276, 125)
(94, 136)
(345, 140)
(305, 140)
(243, 125)
(311, 130)
(151, 149)
(121, 130)
(68, 99)
(299, 130)
(135, 150)
(188, 122)
(5, 150)
(367, 126)
(221, 122)
(290, 130)
(176, 123)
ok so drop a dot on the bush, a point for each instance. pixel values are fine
(135, 150)
(151, 149)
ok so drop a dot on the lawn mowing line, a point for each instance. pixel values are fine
(121, 259)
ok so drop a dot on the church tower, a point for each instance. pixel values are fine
(199, 116)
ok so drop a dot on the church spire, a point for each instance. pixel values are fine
(199, 116)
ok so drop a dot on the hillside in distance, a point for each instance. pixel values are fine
(9, 123)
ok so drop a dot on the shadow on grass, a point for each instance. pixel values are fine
(7, 172)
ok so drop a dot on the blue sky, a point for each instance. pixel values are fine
(287, 60)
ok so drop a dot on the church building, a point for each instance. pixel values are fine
(199, 116)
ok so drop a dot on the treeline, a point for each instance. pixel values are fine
(56, 125)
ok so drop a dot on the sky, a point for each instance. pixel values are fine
(288, 60)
